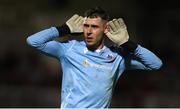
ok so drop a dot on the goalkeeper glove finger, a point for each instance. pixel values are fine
(117, 31)
(75, 24)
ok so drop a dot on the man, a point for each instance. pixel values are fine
(90, 69)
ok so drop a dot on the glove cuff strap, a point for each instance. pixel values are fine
(63, 30)
(129, 46)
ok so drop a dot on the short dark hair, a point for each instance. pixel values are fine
(97, 12)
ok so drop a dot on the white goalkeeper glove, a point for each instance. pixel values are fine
(117, 31)
(75, 24)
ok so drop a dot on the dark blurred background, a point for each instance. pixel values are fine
(30, 79)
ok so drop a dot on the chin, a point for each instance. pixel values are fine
(89, 44)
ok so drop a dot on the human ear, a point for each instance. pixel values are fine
(106, 28)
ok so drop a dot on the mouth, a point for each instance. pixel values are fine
(89, 40)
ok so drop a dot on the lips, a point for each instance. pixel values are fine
(89, 39)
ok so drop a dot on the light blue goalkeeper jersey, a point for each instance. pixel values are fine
(89, 77)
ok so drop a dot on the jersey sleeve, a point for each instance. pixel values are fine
(143, 59)
(44, 42)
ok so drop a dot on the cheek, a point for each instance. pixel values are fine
(99, 32)
(84, 32)
(99, 35)
(84, 29)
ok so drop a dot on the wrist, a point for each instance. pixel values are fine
(129, 46)
(63, 30)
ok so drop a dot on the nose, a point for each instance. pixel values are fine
(88, 34)
(89, 31)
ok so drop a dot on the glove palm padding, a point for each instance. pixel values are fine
(75, 24)
(118, 32)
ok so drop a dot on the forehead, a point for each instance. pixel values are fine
(97, 20)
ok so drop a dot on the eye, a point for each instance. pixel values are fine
(94, 26)
(86, 25)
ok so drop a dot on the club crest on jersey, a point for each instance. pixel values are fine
(109, 56)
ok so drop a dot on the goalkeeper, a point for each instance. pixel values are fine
(91, 69)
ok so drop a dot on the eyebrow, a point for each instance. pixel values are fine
(91, 25)
(86, 25)
(94, 26)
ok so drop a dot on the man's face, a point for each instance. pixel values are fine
(94, 28)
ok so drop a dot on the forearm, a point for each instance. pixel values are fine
(40, 38)
(138, 57)
(147, 58)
